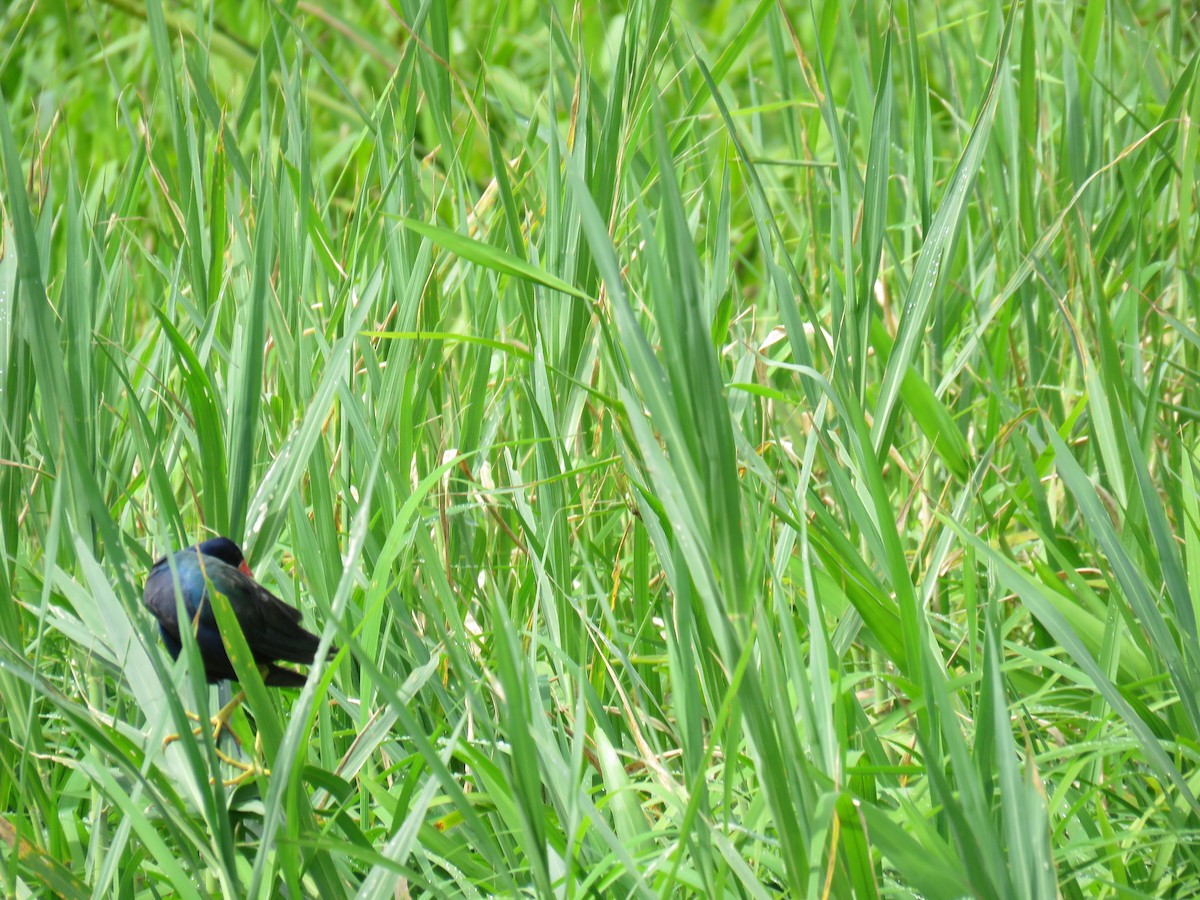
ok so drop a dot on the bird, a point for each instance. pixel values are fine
(271, 627)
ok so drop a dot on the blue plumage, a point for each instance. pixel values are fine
(272, 628)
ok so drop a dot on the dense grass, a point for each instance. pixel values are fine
(740, 450)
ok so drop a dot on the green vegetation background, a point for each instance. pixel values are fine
(740, 449)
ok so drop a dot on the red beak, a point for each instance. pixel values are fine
(245, 570)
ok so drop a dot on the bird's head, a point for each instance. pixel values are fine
(226, 551)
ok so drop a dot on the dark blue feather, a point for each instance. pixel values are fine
(272, 628)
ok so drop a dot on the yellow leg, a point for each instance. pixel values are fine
(249, 769)
(219, 722)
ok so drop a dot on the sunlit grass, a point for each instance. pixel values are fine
(737, 451)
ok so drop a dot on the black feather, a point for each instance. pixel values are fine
(272, 628)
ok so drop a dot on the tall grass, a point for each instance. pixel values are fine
(738, 451)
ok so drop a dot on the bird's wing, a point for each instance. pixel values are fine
(253, 604)
(272, 627)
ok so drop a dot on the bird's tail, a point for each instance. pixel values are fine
(281, 676)
(278, 676)
(286, 642)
